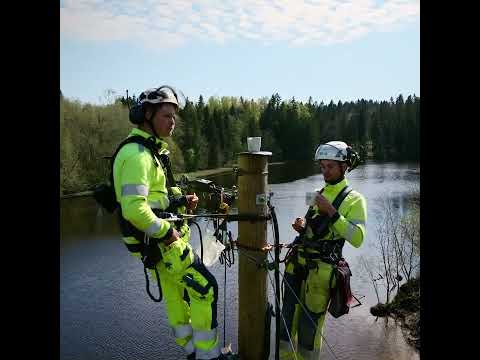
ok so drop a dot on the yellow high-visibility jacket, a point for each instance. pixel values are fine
(140, 186)
(350, 222)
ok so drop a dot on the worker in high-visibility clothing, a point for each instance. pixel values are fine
(323, 232)
(190, 291)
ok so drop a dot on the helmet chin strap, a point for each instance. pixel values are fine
(150, 122)
(336, 181)
(340, 178)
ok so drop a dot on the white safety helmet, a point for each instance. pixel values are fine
(338, 151)
(163, 94)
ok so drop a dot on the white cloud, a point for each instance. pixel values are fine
(296, 22)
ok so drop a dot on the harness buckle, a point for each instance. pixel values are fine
(333, 257)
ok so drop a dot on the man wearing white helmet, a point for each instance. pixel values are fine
(146, 192)
(322, 234)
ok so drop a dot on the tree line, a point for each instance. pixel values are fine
(210, 133)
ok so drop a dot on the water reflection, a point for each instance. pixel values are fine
(106, 314)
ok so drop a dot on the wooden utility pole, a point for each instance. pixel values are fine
(252, 237)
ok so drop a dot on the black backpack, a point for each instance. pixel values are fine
(104, 193)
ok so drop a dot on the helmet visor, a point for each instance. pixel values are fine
(329, 152)
(170, 94)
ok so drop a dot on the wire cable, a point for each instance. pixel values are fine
(201, 240)
(284, 321)
(307, 313)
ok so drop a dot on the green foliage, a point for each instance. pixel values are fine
(87, 134)
(211, 133)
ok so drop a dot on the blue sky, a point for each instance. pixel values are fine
(328, 49)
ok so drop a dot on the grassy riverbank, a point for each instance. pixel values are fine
(406, 308)
(191, 176)
(209, 172)
(204, 173)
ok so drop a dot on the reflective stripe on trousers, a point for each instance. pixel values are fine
(183, 335)
(208, 354)
(205, 335)
(182, 331)
(189, 348)
(208, 336)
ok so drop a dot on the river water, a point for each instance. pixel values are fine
(105, 312)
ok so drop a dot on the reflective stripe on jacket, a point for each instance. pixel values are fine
(139, 184)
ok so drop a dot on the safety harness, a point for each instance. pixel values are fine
(329, 251)
(147, 246)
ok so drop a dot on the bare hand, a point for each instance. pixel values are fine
(324, 205)
(175, 236)
(192, 201)
(299, 224)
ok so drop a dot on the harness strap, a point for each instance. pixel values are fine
(341, 196)
(160, 295)
(148, 143)
(168, 169)
(328, 251)
(150, 252)
(329, 257)
(336, 204)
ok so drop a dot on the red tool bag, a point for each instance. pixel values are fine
(340, 295)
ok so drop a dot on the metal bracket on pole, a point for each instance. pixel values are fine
(240, 172)
(261, 199)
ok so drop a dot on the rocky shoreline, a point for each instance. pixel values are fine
(405, 307)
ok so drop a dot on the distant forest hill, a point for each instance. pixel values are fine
(210, 133)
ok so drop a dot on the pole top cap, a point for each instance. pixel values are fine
(260, 153)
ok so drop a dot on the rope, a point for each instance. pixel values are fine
(230, 239)
(266, 248)
(308, 315)
(224, 300)
(146, 241)
(160, 296)
(284, 322)
(225, 259)
(227, 255)
(259, 264)
(277, 278)
(201, 240)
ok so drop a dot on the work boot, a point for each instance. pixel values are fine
(229, 356)
(191, 356)
(228, 353)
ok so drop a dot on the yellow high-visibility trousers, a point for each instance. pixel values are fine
(304, 327)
